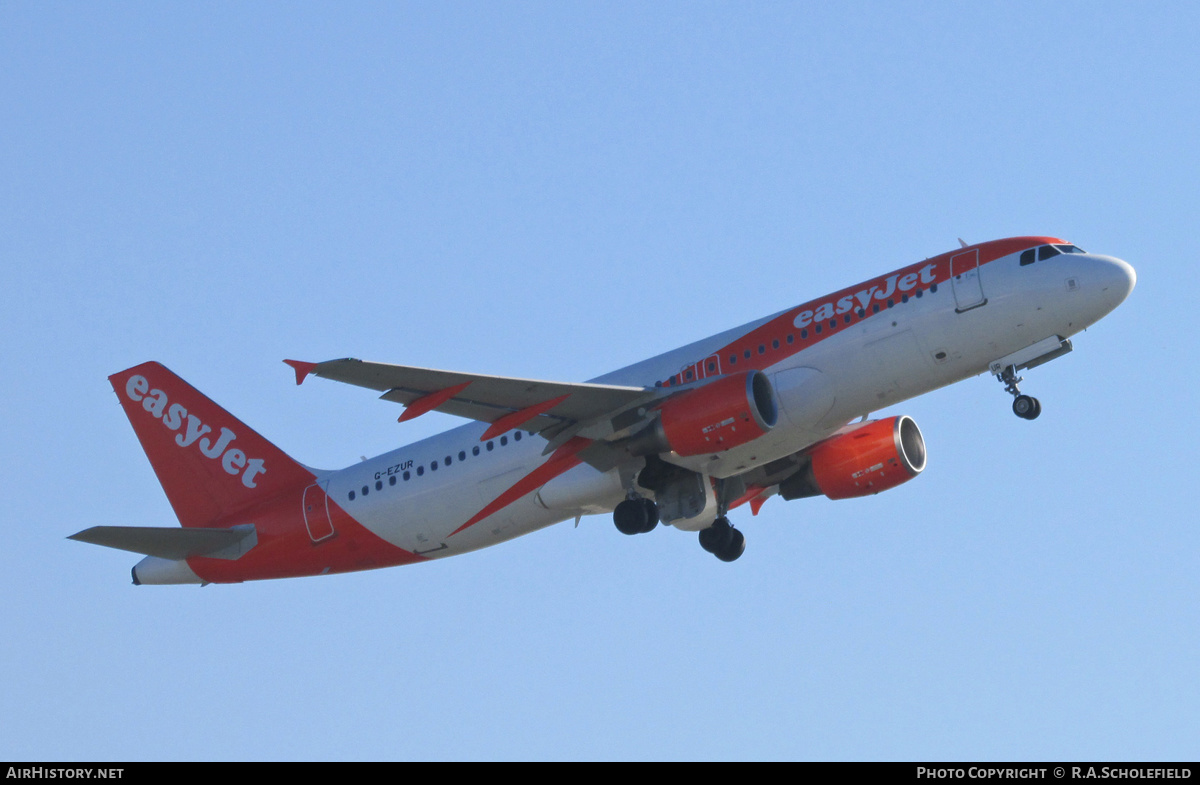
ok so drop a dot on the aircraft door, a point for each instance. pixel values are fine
(316, 512)
(964, 279)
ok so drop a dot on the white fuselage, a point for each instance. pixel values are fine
(418, 497)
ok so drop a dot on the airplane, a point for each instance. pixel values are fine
(777, 407)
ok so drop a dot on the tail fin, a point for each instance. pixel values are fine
(210, 464)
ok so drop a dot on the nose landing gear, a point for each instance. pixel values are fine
(1024, 406)
(1005, 369)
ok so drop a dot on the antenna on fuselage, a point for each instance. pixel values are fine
(962, 242)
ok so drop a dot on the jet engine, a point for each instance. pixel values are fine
(873, 457)
(720, 415)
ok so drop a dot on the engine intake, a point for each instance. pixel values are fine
(873, 457)
(723, 414)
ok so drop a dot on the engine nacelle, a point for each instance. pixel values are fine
(720, 415)
(874, 457)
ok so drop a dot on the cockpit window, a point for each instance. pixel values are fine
(1048, 251)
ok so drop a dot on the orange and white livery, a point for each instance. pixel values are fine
(778, 407)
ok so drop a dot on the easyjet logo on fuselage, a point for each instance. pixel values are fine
(862, 299)
(174, 416)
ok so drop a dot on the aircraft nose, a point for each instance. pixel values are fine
(1119, 278)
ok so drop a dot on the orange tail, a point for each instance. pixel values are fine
(210, 464)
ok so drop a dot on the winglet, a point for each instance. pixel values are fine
(427, 403)
(302, 369)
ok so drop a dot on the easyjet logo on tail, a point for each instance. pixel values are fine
(175, 417)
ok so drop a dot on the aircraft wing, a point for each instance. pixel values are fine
(550, 408)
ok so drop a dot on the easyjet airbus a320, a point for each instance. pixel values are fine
(777, 407)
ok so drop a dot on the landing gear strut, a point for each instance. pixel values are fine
(1024, 406)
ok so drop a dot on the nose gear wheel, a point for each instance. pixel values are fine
(1024, 406)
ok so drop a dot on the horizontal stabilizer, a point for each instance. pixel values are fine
(172, 542)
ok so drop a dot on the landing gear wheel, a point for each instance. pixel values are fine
(650, 510)
(734, 548)
(629, 517)
(1026, 407)
(716, 537)
(636, 516)
(723, 541)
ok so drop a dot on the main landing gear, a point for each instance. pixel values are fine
(636, 515)
(639, 515)
(1024, 406)
(722, 540)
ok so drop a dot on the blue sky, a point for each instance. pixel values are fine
(554, 190)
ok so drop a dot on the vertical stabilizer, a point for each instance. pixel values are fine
(210, 464)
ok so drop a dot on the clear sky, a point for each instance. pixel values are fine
(554, 190)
